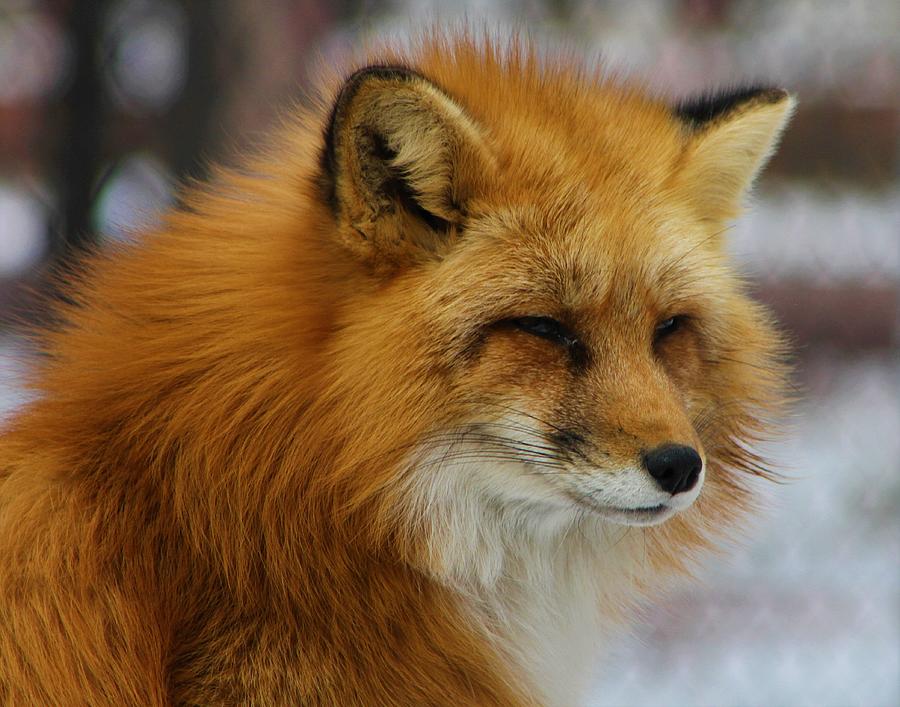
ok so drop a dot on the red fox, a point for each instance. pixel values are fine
(408, 411)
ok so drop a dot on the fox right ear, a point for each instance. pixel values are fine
(730, 137)
(400, 164)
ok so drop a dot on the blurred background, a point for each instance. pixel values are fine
(106, 105)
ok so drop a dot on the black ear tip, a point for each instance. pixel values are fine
(774, 95)
(349, 87)
(711, 106)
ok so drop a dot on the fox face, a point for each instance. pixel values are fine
(553, 288)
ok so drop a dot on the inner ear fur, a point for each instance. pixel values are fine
(400, 164)
(730, 137)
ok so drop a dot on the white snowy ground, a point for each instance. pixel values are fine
(12, 366)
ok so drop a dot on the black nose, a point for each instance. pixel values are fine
(675, 467)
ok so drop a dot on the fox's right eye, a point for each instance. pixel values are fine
(545, 328)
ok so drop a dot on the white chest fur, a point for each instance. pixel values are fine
(542, 580)
(553, 631)
(553, 608)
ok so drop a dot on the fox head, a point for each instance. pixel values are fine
(550, 328)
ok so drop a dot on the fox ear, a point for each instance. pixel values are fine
(400, 164)
(731, 137)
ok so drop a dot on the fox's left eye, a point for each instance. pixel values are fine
(545, 328)
(667, 327)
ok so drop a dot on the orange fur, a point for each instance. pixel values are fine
(241, 480)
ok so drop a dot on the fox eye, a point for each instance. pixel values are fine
(545, 328)
(667, 327)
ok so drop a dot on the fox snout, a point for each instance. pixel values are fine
(643, 461)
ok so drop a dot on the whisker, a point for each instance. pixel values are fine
(528, 415)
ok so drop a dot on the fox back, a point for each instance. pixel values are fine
(408, 410)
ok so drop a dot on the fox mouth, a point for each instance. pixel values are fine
(650, 515)
(640, 511)
(642, 515)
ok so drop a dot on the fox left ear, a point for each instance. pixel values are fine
(731, 137)
(400, 165)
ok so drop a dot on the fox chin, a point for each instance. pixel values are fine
(411, 408)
